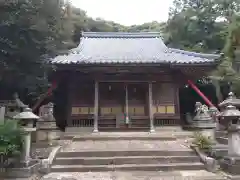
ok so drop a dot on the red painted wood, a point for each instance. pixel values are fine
(44, 96)
(195, 88)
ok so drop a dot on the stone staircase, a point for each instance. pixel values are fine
(127, 151)
(96, 161)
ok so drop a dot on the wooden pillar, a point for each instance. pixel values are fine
(126, 102)
(69, 98)
(96, 99)
(150, 107)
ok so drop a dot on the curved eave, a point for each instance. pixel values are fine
(133, 62)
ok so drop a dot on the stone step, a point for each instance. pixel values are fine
(125, 160)
(222, 140)
(116, 138)
(127, 167)
(116, 153)
(133, 128)
(221, 134)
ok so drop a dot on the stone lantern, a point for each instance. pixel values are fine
(203, 122)
(231, 100)
(213, 111)
(27, 120)
(231, 115)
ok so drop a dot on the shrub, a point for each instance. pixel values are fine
(11, 141)
(202, 142)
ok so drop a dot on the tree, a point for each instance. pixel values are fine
(194, 24)
(30, 32)
(208, 26)
(227, 72)
(227, 9)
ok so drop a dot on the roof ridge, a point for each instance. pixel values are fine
(196, 54)
(121, 35)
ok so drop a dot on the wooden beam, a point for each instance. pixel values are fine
(131, 77)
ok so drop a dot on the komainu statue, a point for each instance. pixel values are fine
(46, 126)
(201, 109)
(46, 112)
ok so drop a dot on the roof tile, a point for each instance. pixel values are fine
(125, 48)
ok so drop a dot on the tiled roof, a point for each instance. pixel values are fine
(126, 48)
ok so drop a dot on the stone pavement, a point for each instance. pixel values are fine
(135, 175)
(178, 145)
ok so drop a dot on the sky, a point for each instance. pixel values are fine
(126, 12)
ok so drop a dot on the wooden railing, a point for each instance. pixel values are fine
(166, 122)
(164, 115)
(81, 116)
(81, 123)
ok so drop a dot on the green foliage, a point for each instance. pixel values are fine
(192, 26)
(201, 141)
(31, 32)
(227, 71)
(11, 141)
(233, 38)
(209, 26)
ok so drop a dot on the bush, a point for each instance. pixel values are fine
(202, 142)
(11, 141)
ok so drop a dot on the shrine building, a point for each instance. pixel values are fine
(125, 81)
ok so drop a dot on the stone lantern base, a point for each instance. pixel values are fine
(23, 172)
(207, 129)
(231, 164)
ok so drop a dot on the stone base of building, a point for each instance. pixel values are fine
(47, 131)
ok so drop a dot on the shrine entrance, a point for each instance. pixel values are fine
(122, 105)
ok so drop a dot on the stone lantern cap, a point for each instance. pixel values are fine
(231, 100)
(202, 119)
(230, 111)
(26, 114)
(213, 110)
